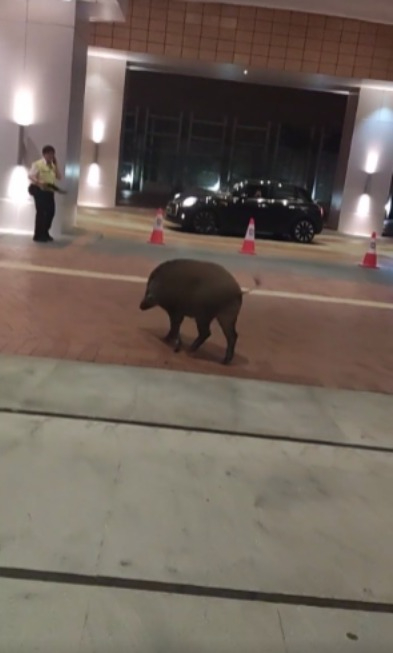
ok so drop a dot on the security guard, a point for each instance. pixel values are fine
(43, 176)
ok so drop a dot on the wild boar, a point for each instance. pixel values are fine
(197, 289)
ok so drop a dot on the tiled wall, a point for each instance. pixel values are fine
(255, 37)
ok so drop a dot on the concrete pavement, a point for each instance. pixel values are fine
(48, 617)
(118, 535)
(196, 402)
(193, 509)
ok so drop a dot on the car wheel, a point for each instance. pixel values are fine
(205, 222)
(303, 231)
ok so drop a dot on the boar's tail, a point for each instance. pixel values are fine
(257, 282)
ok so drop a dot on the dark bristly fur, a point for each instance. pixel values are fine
(197, 289)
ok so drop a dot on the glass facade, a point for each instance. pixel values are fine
(182, 142)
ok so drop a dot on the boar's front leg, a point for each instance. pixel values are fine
(203, 325)
(173, 335)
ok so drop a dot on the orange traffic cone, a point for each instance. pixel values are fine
(157, 235)
(249, 240)
(370, 257)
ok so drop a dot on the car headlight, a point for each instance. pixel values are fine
(190, 201)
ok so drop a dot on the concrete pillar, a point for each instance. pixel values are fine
(370, 164)
(42, 81)
(343, 158)
(102, 121)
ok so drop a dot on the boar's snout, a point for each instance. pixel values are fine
(145, 305)
(147, 302)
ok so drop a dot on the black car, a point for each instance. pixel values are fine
(278, 208)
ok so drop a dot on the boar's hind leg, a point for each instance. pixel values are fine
(176, 320)
(203, 325)
(227, 322)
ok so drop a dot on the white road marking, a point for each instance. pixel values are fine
(258, 292)
(323, 298)
(68, 272)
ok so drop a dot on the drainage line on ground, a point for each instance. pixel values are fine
(358, 446)
(183, 589)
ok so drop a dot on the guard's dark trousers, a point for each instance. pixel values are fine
(45, 212)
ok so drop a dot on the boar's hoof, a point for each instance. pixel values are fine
(177, 346)
(227, 359)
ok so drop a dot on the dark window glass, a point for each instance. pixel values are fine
(180, 132)
(250, 190)
(202, 153)
(256, 190)
(283, 192)
(248, 152)
(303, 195)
